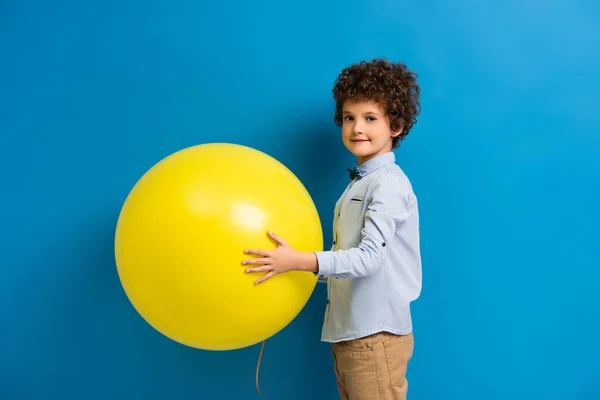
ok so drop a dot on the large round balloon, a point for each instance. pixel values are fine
(180, 239)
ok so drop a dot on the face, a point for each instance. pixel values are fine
(366, 130)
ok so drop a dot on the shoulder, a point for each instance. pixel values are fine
(391, 179)
(390, 187)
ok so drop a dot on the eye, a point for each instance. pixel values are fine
(371, 119)
(348, 118)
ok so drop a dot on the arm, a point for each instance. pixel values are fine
(321, 279)
(387, 208)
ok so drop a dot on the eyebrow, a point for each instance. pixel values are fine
(367, 113)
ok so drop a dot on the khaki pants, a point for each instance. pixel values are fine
(374, 367)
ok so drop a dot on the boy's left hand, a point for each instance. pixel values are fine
(273, 262)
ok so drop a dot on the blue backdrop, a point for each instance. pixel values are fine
(504, 160)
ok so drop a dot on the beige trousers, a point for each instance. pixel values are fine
(373, 367)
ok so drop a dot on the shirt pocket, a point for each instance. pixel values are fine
(350, 221)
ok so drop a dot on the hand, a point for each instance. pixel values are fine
(273, 262)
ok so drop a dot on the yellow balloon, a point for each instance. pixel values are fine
(180, 239)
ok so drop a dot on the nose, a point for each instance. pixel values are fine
(357, 128)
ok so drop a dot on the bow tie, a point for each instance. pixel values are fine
(354, 173)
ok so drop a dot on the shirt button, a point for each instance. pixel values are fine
(334, 242)
(383, 244)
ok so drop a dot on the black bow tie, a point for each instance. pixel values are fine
(354, 173)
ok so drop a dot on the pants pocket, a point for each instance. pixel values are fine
(398, 352)
(362, 344)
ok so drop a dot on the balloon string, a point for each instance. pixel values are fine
(258, 368)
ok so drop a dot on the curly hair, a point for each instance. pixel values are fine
(391, 85)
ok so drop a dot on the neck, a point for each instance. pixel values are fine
(362, 160)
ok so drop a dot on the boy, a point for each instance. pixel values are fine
(373, 270)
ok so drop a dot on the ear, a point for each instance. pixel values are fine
(399, 131)
(396, 133)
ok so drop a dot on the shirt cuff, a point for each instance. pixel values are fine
(326, 263)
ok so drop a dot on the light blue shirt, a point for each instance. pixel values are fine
(373, 271)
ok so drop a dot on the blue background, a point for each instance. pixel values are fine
(504, 159)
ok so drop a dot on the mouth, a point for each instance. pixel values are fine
(359, 140)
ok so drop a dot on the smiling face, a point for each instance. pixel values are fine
(366, 130)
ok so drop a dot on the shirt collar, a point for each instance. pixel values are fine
(376, 162)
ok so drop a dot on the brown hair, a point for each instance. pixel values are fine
(391, 85)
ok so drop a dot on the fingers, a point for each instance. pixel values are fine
(264, 261)
(257, 261)
(264, 268)
(278, 239)
(264, 278)
(257, 252)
